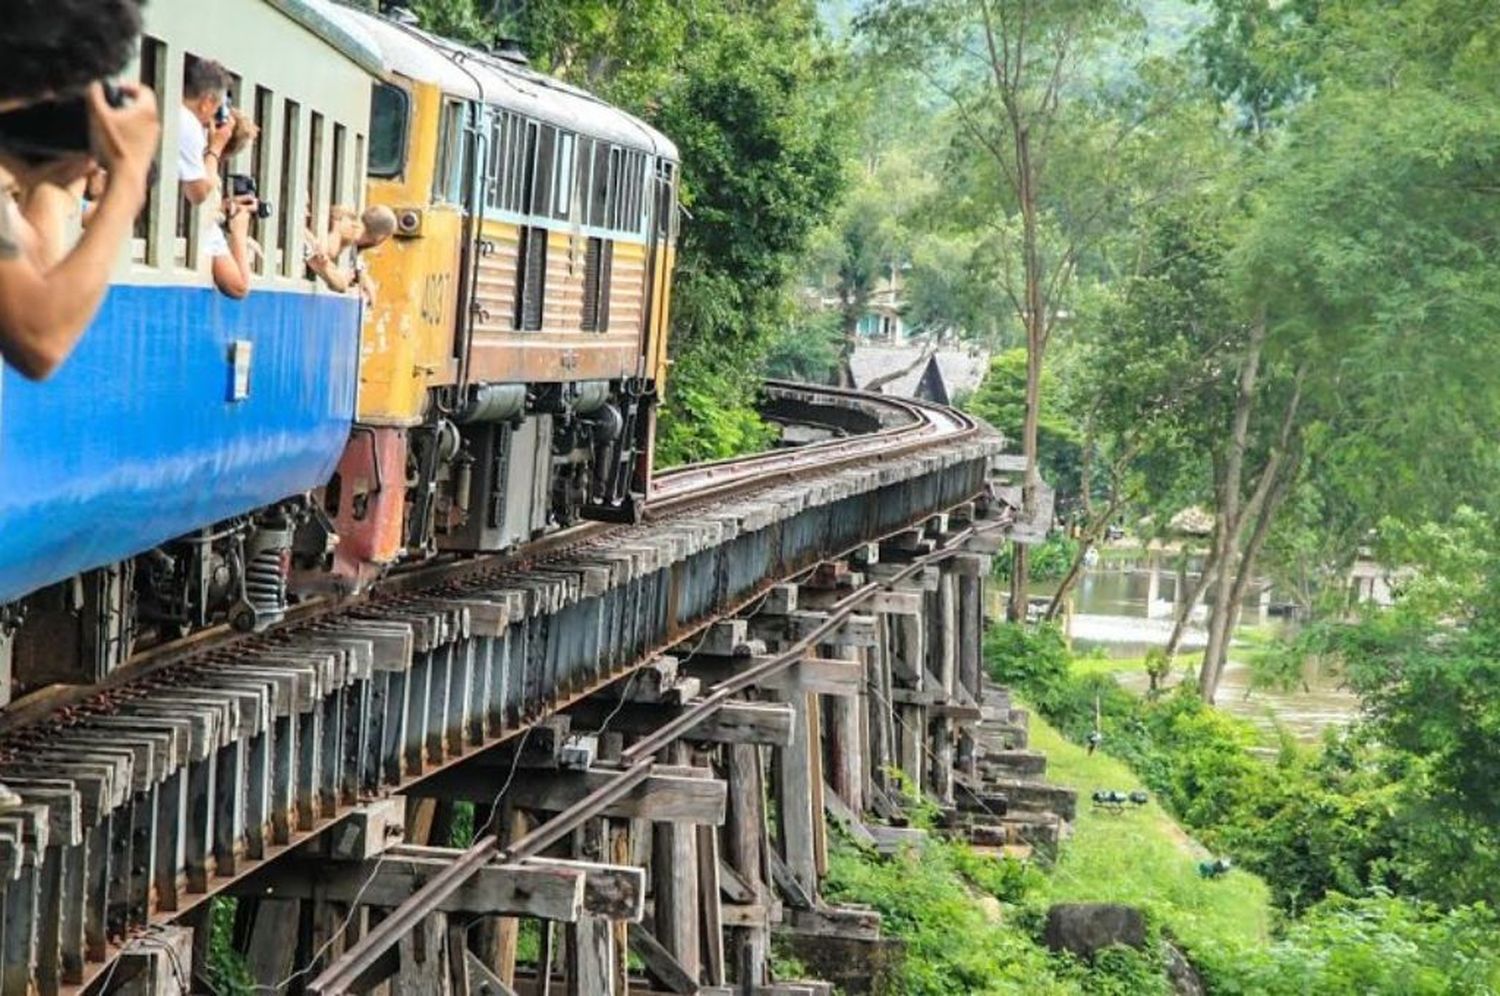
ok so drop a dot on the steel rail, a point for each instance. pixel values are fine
(355, 968)
(351, 971)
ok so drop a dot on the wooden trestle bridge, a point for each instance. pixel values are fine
(651, 722)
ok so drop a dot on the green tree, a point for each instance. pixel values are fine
(1364, 273)
(1001, 401)
(748, 92)
(1050, 158)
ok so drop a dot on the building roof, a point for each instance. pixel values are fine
(960, 370)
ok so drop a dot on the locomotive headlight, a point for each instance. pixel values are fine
(408, 223)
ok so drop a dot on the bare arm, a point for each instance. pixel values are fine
(45, 310)
(49, 206)
(337, 278)
(232, 273)
(200, 191)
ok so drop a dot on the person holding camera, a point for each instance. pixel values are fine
(57, 121)
(204, 128)
(227, 243)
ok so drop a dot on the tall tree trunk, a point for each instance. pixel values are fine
(1270, 489)
(1263, 517)
(1020, 570)
(1086, 539)
(846, 348)
(1184, 610)
(1229, 507)
(1035, 320)
(1086, 468)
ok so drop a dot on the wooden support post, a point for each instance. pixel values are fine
(970, 664)
(619, 853)
(712, 927)
(815, 789)
(272, 945)
(878, 709)
(844, 740)
(744, 833)
(909, 670)
(945, 659)
(592, 954)
(423, 959)
(591, 957)
(794, 784)
(674, 876)
(501, 953)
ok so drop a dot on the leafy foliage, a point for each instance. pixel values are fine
(226, 966)
(958, 944)
(1378, 945)
(1001, 400)
(1380, 847)
(709, 414)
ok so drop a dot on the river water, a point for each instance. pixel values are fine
(1126, 608)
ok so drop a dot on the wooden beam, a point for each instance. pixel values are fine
(546, 888)
(895, 603)
(815, 675)
(662, 797)
(667, 970)
(614, 892)
(732, 723)
(367, 831)
(482, 979)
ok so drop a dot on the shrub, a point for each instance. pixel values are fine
(1377, 945)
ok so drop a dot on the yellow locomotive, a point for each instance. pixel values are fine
(510, 362)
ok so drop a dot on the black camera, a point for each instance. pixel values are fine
(50, 129)
(243, 185)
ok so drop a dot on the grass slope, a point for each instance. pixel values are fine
(1144, 858)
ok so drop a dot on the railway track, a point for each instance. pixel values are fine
(201, 763)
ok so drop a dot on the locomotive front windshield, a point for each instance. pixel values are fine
(390, 109)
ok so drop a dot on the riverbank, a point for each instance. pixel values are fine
(1352, 901)
(1318, 704)
(972, 921)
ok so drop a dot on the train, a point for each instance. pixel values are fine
(202, 461)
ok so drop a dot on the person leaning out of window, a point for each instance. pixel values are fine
(227, 242)
(57, 122)
(335, 256)
(204, 128)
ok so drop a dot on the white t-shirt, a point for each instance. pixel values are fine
(192, 140)
(214, 242)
